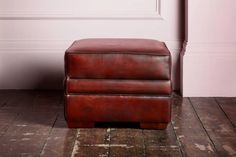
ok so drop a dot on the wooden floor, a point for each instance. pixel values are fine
(32, 124)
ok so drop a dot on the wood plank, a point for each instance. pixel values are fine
(161, 142)
(6, 119)
(218, 126)
(48, 101)
(126, 142)
(19, 101)
(61, 141)
(36, 101)
(137, 142)
(125, 151)
(162, 152)
(191, 135)
(91, 142)
(16, 101)
(126, 136)
(91, 151)
(26, 135)
(228, 105)
(4, 95)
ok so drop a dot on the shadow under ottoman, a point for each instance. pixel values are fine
(118, 80)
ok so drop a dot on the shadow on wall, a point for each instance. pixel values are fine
(29, 70)
(181, 33)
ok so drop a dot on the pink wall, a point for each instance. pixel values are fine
(209, 61)
(35, 34)
(33, 37)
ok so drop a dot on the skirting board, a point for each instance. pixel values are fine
(209, 70)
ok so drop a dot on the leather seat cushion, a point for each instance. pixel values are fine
(118, 59)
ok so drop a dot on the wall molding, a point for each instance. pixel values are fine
(44, 45)
(156, 13)
(210, 47)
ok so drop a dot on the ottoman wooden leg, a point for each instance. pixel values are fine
(81, 124)
(153, 125)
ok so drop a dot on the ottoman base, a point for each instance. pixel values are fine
(84, 111)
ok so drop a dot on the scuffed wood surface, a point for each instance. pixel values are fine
(190, 133)
(32, 124)
(228, 106)
(218, 126)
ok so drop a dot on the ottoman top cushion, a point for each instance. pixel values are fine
(112, 45)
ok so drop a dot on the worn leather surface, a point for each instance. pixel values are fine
(103, 86)
(118, 59)
(126, 108)
(127, 80)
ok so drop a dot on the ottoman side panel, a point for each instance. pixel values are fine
(105, 86)
(100, 108)
(118, 66)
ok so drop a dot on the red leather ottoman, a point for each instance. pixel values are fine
(118, 80)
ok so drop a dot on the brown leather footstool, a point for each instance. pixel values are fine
(118, 80)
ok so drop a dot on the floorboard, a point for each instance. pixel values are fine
(190, 133)
(217, 125)
(26, 135)
(6, 119)
(228, 106)
(161, 142)
(19, 101)
(4, 95)
(61, 140)
(91, 142)
(126, 142)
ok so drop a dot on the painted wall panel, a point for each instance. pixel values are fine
(210, 58)
(35, 34)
